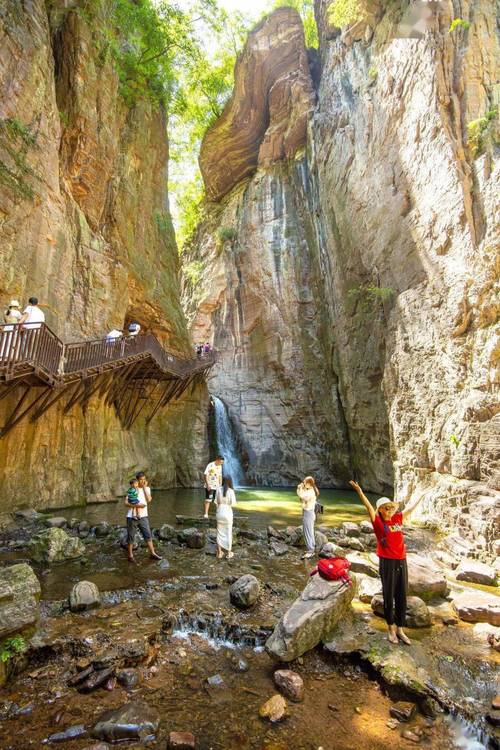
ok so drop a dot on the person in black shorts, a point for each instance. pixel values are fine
(137, 518)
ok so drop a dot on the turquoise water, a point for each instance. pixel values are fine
(260, 505)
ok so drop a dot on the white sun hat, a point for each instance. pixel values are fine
(385, 501)
(14, 303)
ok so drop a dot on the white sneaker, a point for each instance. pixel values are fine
(206, 515)
(307, 555)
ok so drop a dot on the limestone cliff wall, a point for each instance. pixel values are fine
(383, 231)
(85, 226)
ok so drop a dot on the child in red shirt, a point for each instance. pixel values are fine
(388, 526)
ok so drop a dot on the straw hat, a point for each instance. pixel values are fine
(385, 501)
(14, 303)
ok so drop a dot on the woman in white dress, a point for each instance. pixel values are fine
(308, 494)
(225, 500)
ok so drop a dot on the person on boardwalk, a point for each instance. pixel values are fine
(11, 317)
(225, 500)
(213, 480)
(387, 523)
(308, 494)
(32, 316)
(140, 520)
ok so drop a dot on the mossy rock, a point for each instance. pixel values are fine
(55, 545)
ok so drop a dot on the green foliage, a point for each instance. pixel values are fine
(478, 130)
(344, 13)
(368, 296)
(15, 141)
(372, 72)
(458, 23)
(193, 272)
(11, 647)
(454, 440)
(227, 234)
(188, 195)
(306, 10)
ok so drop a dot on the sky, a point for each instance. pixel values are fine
(252, 7)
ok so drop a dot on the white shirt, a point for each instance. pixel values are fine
(228, 499)
(213, 474)
(114, 334)
(12, 316)
(307, 497)
(35, 316)
(142, 492)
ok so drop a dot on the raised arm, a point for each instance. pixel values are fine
(410, 508)
(369, 507)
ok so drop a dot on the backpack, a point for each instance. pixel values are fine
(334, 569)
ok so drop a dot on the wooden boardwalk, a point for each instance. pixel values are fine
(134, 373)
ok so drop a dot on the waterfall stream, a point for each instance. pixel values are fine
(226, 443)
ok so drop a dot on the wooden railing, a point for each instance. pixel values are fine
(37, 346)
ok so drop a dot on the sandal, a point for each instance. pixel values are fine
(230, 555)
(403, 637)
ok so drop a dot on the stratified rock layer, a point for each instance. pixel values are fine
(86, 229)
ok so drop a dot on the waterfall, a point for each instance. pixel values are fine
(226, 443)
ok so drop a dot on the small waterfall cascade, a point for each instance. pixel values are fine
(226, 443)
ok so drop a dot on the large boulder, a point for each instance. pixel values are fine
(361, 564)
(56, 522)
(167, 532)
(133, 721)
(477, 606)
(311, 618)
(55, 545)
(19, 595)
(192, 537)
(245, 591)
(84, 595)
(330, 549)
(417, 614)
(368, 587)
(424, 579)
(474, 571)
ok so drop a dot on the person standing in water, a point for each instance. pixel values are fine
(308, 494)
(213, 481)
(388, 526)
(225, 501)
(137, 517)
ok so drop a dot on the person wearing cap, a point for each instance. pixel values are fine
(133, 329)
(11, 316)
(387, 523)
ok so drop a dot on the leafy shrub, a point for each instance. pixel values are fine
(368, 296)
(227, 234)
(458, 23)
(193, 272)
(454, 440)
(477, 131)
(344, 13)
(11, 647)
(15, 141)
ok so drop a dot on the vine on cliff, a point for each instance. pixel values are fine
(15, 141)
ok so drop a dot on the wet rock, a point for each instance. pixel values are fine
(193, 538)
(181, 741)
(417, 613)
(102, 529)
(56, 522)
(311, 617)
(360, 564)
(133, 721)
(215, 681)
(444, 613)
(366, 527)
(167, 532)
(493, 718)
(128, 678)
(19, 597)
(278, 548)
(402, 710)
(83, 529)
(272, 532)
(96, 679)
(350, 529)
(474, 571)
(368, 587)
(240, 665)
(424, 580)
(55, 545)
(330, 549)
(290, 684)
(84, 595)
(28, 514)
(245, 591)
(478, 606)
(273, 709)
(411, 735)
(80, 677)
(71, 733)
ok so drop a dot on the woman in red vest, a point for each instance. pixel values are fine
(388, 527)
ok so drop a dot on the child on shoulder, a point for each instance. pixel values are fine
(387, 522)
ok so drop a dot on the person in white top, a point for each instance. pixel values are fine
(213, 481)
(308, 494)
(11, 316)
(32, 316)
(225, 500)
(137, 518)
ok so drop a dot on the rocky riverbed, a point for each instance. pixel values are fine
(181, 643)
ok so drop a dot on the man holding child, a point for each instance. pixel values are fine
(137, 516)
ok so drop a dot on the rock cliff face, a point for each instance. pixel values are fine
(354, 287)
(85, 226)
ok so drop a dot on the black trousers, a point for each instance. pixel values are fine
(394, 575)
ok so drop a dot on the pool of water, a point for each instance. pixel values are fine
(260, 505)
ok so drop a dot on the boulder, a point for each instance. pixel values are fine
(366, 527)
(360, 564)
(402, 710)
(245, 591)
(417, 614)
(368, 587)
(56, 522)
(424, 579)
(133, 721)
(181, 741)
(102, 529)
(28, 514)
(129, 678)
(55, 545)
(192, 537)
(350, 529)
(167, 532)
(290, 684)
(330, 549)
(19, 595)
(320, 540)
(84, 595)
(474, 571)
(477, 606)
(278, 548)
(273, 709)
(311, 618)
